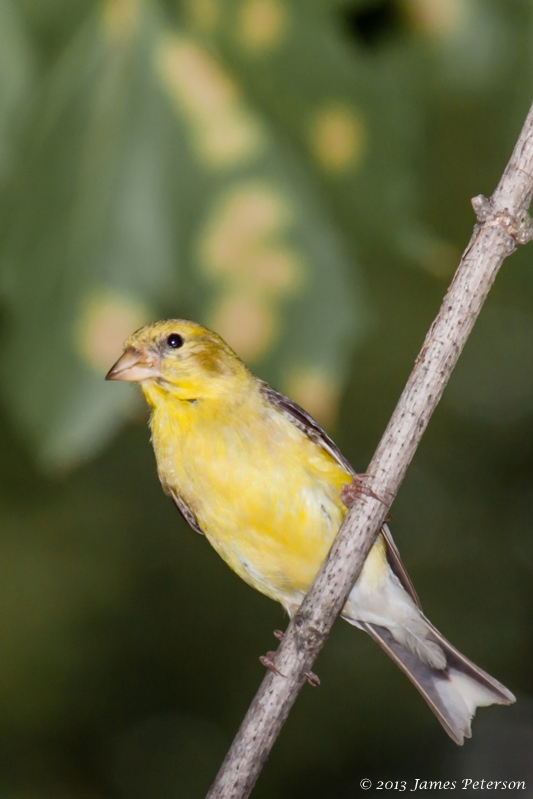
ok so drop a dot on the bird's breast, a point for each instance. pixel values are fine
(266, 497)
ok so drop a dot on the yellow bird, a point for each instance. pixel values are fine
(254, 473)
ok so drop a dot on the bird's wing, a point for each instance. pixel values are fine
(301, 419)
(184, 509)
(395, 562)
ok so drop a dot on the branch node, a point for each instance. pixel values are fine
(482, 208)
(524, 232)
(518, 228)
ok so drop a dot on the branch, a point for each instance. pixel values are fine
(503, 221)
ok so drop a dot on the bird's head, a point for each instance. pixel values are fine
(181, 359)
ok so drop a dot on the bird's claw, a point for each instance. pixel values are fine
(351, 491)
(268, 661)
(312, 679)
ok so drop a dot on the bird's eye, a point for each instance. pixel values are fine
(175, 341)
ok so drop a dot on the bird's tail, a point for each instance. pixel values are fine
(454, 689)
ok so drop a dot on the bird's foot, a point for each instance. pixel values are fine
(351, 491)
(268, 661)
(279, 634)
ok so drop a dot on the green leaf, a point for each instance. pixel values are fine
(92, 244)
(16, 82)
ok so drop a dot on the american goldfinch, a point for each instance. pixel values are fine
(254, 473)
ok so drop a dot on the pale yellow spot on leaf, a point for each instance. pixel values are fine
(246, 323)
(278, 271)
(439, 17)
(315, 391)
(241, 225)
(107, 319)
(224, 132)
(243, 250)
(261, 25)
(338, 138)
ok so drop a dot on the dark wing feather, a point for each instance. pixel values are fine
(395, 562)
(184, 509)
(301, 419)
(306, 424)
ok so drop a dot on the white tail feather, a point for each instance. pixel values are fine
(415, 637)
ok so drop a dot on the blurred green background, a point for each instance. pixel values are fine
(296, 174)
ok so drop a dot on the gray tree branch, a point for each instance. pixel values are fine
(503, 221)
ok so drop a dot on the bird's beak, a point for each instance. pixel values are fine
(134, 366)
